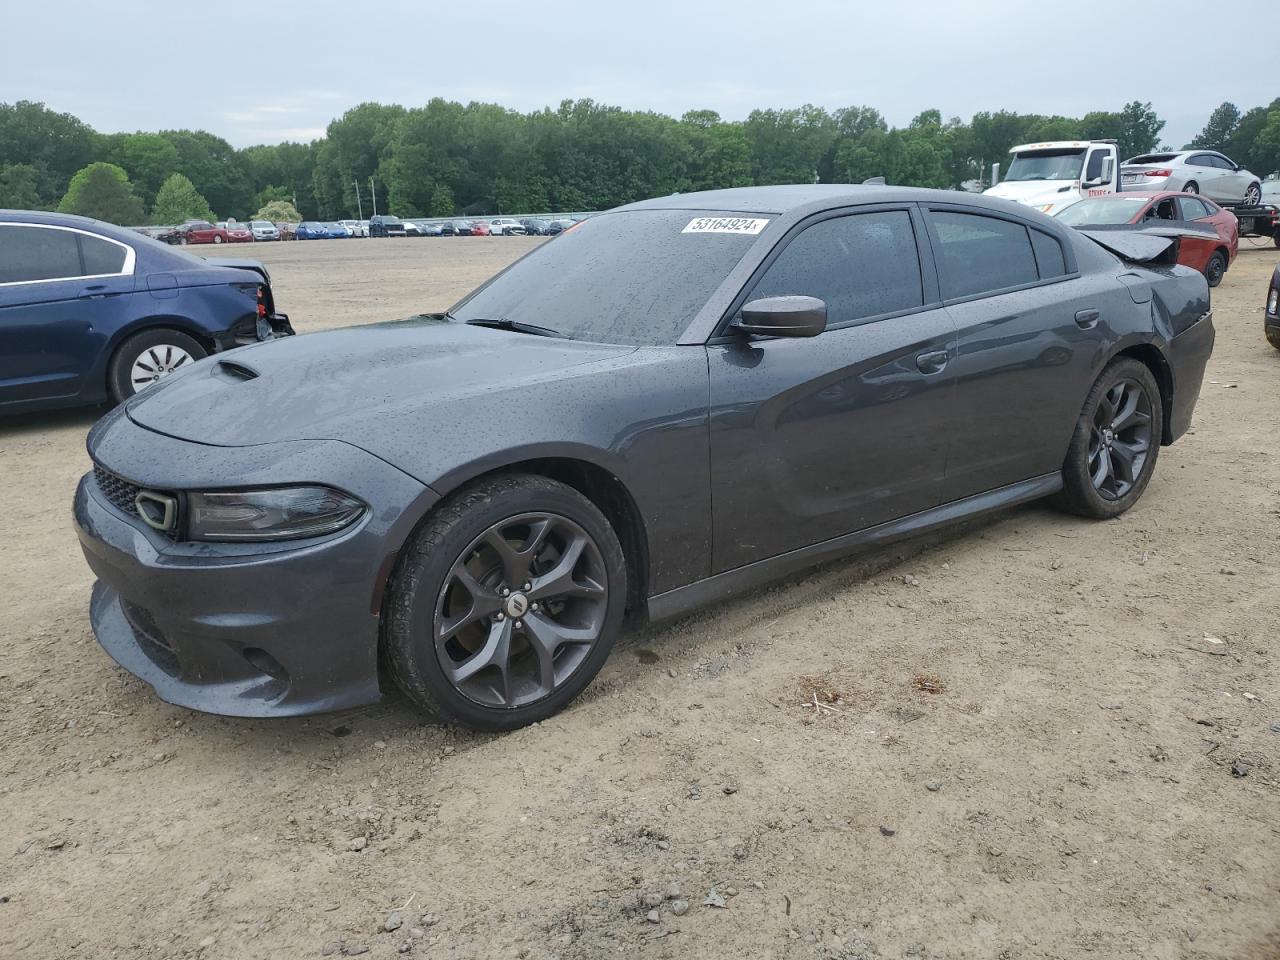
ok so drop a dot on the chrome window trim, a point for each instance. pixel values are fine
(126, 270)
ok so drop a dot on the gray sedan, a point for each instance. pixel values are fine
(1193, 171)
(675, 401)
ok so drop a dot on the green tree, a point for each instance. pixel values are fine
(442, 201)
(178, 200)
(278, 211)
(55, 145)
(103, 191)
(1217, 133)
(215, 168)
(148, 158)
(18, 189)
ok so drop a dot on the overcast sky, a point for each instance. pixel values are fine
(272, 70)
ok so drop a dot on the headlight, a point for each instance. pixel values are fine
(1273, 301)
(1045, 207)
(285, 513)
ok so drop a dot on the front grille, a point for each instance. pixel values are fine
(120, 492)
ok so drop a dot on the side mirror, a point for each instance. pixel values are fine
(783, 317)
(1108, 168)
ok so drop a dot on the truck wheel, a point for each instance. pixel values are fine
(148, 357)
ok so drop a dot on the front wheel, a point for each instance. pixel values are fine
(1253, 196)
(505, 604)
(1216, 268)
(217, 239)
(147, 358)
(1115, 444)
(1273, 337)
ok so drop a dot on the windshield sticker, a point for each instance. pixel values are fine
(745, 225)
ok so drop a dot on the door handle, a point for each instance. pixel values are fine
(932, 362)
(1087, 319)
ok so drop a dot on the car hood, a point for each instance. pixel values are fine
(1037, 193)
(347, 384)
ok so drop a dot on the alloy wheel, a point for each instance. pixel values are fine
(1190, 188)
(156, 362)
(1253, 196)
(1120, 439)
(520, 610)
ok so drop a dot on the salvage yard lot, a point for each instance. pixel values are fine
(1036, 737)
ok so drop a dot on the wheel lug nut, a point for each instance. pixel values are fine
(519, 624)
(506, 592)
(501, 616)
(534, 607)
(527, 586)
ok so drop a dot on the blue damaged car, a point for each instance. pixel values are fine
(91, 312)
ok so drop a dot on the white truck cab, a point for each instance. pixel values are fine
(1053, 175)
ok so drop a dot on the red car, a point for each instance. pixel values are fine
(1210, 255)
(197, 231)
(480, 229)
(239, 233)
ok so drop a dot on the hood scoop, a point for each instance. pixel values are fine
(234, 370)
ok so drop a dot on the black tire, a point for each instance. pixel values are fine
(216, 238)
(419, 587)
(1191, 187)
(1081, 493)
(119, 379)
(1273, 336)
(1276, 238)
(1216, 268)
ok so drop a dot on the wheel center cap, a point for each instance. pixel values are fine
(517, 605)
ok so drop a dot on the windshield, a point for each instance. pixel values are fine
(1104, 210)
(636, 278)
(1046, 165)
(1152, 158)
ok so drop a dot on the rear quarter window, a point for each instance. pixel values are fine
(101, 256)
(979, 254)
(1050, 259)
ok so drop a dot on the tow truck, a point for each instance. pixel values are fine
(1051, 176)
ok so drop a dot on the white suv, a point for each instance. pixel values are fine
(355, 228)
(506, 227)
(263, 230)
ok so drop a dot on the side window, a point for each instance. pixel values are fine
(979, 254)
(101, 256)
(1049, 256)
(1094, 170)
(37, 253)
(1192, 209)
(862, 265)
(1199, 160)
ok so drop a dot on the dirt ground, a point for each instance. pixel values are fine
(1037, 737)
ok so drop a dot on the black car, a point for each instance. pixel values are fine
(1271, 313)
(554, 227)
(462, 228)
(675, 401)
(91, 312)
(535, 227)
(447, 229)
(384, 225)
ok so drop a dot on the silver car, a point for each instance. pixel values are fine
(1192, 171)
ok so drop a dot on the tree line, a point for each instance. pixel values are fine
(446, 158)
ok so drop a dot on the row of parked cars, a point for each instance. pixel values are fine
(389, 226)
(231, 231)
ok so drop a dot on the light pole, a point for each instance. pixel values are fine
(374, 194)
(359, 207)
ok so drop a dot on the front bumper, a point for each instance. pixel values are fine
(277, 630)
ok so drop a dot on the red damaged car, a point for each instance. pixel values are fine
(239, 233)
(1210, 254)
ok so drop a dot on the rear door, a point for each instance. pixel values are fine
(61, 294)
(1205, 170)
(1029, 329)
(813, 438)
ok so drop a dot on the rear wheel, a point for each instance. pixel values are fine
(1191, 187)
(1216, 268)
(506, 603)
(147, 358)
(1116, 442)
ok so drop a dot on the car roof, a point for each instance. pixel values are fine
(809, 198)
(63, 220)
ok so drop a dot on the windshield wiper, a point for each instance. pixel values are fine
(516, 326)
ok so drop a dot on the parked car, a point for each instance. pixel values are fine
(462, 228)
(574, 479)
(555, 227)
(1271, 312)
(336, 231)
(384, 225)
(288, 231)
(1193, 171)
(448, 229)
(239, 233)
(355, 228)
(264, 230)
(413, 228)
(506, 227)
(91, 311)
(311, 230)
(479, 228)
(1211, 253)
(196, 231)
(534, 227)
(425, 228)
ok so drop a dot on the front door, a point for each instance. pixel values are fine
(817, 437)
